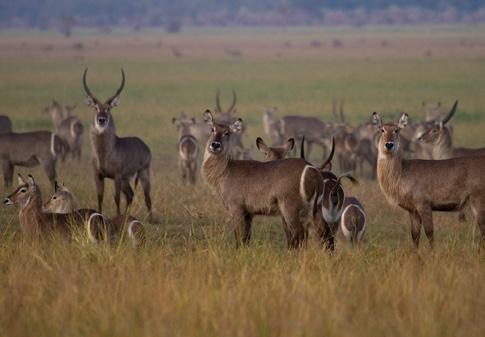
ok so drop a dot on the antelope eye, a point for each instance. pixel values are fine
(382, 130)
(23, 190)
(226, 133)
(54, 198)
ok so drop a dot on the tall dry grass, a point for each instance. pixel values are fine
(189, 280)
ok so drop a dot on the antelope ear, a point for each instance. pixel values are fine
(237, 126)
(31, 182)
(290, 144)
(208, 118)
(377, 119)
(403, 121)
(440, 124)
(115, 102)
(20, 180)
(261, 145)
(90, 102)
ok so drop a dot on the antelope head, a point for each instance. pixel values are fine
(23, 194)
(275, 152)
(434, 133)
(389, 141)
(61, 201)
(218, 142)
(182, 124)
(102, 116)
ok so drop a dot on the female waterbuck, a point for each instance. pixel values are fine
(35, 222)
(423, 186)
(117, 158)
(289, 188)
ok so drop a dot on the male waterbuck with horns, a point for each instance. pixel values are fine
(423, 186)
(289, 188)
(117, 158)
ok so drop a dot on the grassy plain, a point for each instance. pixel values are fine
(190, 281)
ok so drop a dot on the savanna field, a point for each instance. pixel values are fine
(190, 280)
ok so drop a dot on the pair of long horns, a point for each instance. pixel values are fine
(218, 102)
(89, 93)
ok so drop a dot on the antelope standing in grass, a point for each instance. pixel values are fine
(275, 152)
(353, 220)
(188, 150)
(29, 149)
(68, 127)
(5, 124)
(272, 126)
(35, 222)
(64, 202)
(117, 158)
(289, 188)
(423, 186)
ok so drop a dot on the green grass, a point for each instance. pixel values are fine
(189, 280)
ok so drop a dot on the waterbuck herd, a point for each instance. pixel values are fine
(439, 177)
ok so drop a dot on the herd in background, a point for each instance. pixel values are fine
(304, 195)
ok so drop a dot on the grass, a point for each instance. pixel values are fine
(189, 280)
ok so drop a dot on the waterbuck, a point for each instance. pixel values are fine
(272, 126)
(289, 188)
(5, 124)
(439, 137)
(117, 158)
(275, 152)
(423, 186)
(35, 222)
(29, 149)
(188, 150)
(353, 220)
(98, 227)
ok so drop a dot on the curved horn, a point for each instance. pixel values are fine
(86, 89)
(234, 100)
(218, 101)
(302, 148)
(330, 156)
(451, 113)
(120, 89)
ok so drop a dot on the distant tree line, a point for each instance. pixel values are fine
(64, 14)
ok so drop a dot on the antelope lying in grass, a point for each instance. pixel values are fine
(289, 188)
(275, 152)
(439, 137)
(68, 127)
(29, 149)
(117, 158)
(423, 186)
(35, 222)
(188, 149)
(64, 202)
(5, 124)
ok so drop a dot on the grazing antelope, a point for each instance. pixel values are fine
(314, 130)
(64, 202)
(34, 222)
(117, 158)
(272, 126)
(353, 220)
(188, 149)
(439, 137)
(29, 149)
(423, 186)
(275, 152)
(289, 188)
(5, 124)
